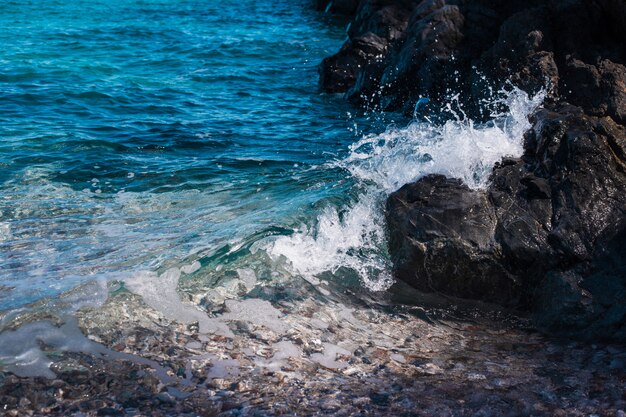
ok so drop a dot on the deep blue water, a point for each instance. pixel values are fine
(134, 134)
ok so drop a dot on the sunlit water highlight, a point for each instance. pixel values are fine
(135, 134)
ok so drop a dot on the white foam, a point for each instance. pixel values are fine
(350, 239)
(248, 277)
(160, 293)
(5, 230)
(255, 311)
(283, 351)
(329, 358)
(21, 352)
(223, 368)
(355, 238)
(457, 149)
(190, 268)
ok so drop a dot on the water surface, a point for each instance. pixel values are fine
(141, 136)
(134, 134)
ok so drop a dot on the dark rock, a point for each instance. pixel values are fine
(523, 52)
(377, 23)
(427, 54)
(544, 235)
(109, 411)
(347, 7)
(599, 89)
(385, 18)
(590, 301)
(616, 11)
(438, 218)
(436, 48)
(380, 399)
(339, 72)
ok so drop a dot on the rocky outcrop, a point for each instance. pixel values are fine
(549, 232)
(347, 7)
(399, 51)
(545, 234)
(340, 71)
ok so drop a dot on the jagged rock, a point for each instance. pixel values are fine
(377, 24)
(347, 7)
(386, 18)
(543, 235)
(427, 53)
(590, 302)
(600, 89)
(339, 71)
(523, 52)
(435, 48)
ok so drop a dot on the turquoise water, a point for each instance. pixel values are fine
(134, 134)
(141, 136)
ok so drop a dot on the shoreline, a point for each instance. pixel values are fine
(316, 355)
(252, 347)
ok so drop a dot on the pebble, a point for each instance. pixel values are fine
(398, 358)
(372, 378)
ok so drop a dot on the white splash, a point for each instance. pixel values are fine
(160, 293)
(457, 149)
(355, 238)
(21, 349)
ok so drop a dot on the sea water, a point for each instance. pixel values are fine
(136, 133)
(173, 144)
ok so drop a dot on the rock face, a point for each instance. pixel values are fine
(545, 235)
(549, 232)
(401, 50)
(346, 7)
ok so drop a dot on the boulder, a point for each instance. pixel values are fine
(544, 235)
(439, 218)
(339, 72)
(377, 24)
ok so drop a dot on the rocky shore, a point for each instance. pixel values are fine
(548, 234)
(308, 354)
(546, 240)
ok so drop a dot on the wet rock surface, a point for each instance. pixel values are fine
(544, 236)
(439, 48)
(330, 357)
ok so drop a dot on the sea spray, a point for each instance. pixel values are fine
(459, 148)
(355, 237)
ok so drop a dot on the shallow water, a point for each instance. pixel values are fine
(134, 134)
(185, 215)
(185, 146)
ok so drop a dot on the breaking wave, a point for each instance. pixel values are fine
(459, 148)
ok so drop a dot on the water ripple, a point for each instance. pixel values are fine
(135, 133)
